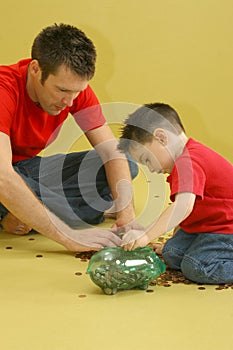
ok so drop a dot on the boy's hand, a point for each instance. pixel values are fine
(134, 239)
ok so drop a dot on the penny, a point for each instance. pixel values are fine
(187, 282)
(82, 296)
(153, 283)
(85, 255)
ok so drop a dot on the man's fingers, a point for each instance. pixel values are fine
(112, 240)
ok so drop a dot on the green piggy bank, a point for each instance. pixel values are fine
(114, 269)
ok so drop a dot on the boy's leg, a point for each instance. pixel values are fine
(175, 248)
(209, 259)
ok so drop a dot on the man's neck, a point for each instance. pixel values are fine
(30, 87)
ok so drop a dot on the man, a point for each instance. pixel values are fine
(36, 96)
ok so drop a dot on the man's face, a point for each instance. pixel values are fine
(59, 90)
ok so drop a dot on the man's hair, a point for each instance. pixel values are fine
(141, 124)
(64, 44)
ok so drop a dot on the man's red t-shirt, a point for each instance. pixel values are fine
(209, 176)
(30, 128)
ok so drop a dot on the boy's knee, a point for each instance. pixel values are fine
(192, 269)
(172, 256)
(216, 272)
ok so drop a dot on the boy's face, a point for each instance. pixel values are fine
(154, 155)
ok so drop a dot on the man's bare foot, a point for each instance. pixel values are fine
(11, 224)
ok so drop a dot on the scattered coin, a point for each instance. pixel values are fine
(170, 276)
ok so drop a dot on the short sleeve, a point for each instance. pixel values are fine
(87, 111)
(187, 176)
(7, 109)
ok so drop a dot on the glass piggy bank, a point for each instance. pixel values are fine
(114, 269)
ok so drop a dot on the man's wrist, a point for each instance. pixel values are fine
(128, 214)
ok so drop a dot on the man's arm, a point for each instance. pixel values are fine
(117, 172)
(18, 198)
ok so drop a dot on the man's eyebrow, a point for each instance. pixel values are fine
(68, 90)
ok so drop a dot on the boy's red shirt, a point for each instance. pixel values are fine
(209, 176)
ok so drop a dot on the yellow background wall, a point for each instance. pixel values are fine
(175, 51)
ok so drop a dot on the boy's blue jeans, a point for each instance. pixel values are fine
(202, 257)
(73, 186)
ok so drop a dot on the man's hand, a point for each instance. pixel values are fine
(121, 229)
(91, 239)
(123, 218)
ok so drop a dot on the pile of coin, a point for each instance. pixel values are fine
(111, 280)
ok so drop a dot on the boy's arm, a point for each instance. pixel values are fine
(177, 212)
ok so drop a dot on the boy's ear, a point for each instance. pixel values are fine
(161, 136)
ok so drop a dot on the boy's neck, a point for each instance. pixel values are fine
(178, 145)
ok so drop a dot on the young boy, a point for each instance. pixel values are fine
(201, 193)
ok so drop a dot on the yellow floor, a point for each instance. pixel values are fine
(46, 304)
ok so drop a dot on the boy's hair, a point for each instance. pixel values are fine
(141, 124)
(64, 44)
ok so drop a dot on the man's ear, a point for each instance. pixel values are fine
(34, 67)
(161, 136)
